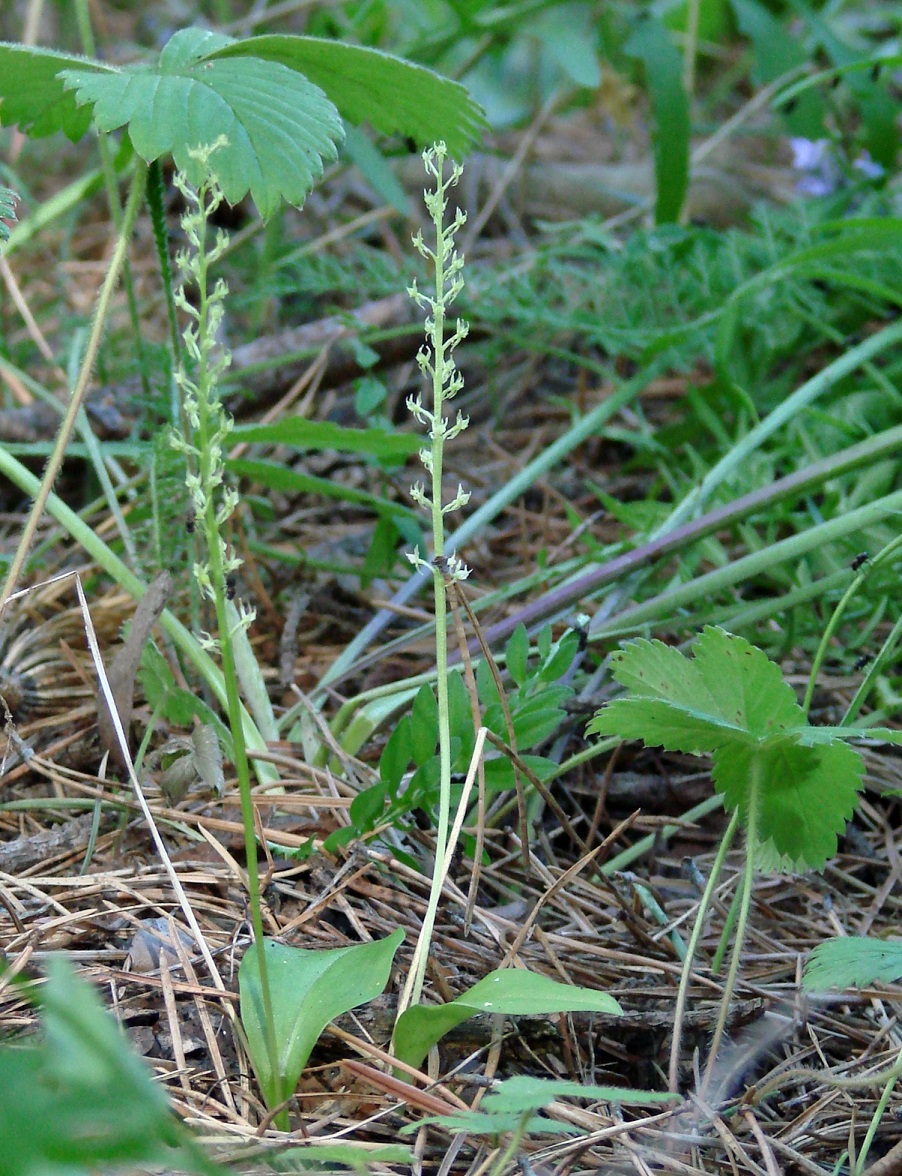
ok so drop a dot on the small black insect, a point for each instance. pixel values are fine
(231, 585)
(789, 107)
(861, 662)
(190, 523)
(860, 558)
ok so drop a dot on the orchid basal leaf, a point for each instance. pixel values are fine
(308, 989)
(511, 991)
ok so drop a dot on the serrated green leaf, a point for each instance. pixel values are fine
(731, 701)
(853, 961)
(525, 1093)
(728, 691)
(278, 126)
(512, 991)
(369, 86)
(32, 95)
(806, 794)
(498, 1123)
(659, 723)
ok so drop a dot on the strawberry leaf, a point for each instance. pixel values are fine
(279, 127)
(32, 94)
(366, 85)
(264, 94)
(731, 701)
(856, 960)
(806, 794)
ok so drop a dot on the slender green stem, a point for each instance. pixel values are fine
(76, 400)
(692, 947)
(886, 651)
(748, 883)
(204, 447)
(726, 935)
(507, 1154)
(436, 360)
(876, 1120)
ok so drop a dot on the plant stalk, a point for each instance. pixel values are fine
(748, 883)
(692, 947)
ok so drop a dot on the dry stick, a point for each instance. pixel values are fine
(67, 425)
(561, 882)
(142, 800)
(888, 1165)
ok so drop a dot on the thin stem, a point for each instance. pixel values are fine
(437, 361)
(875, 1122)
(726, 935)
(207, 446)
(67, 426)
(748, 884)
(692, 947)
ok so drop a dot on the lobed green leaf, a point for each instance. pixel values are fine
(729, 700)
(367, 85)
(278, 126)
(33, 96)
(853, 961)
